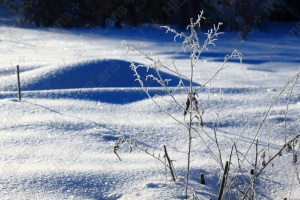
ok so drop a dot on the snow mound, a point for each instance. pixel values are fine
(93, 74)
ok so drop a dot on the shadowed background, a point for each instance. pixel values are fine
(118, 13)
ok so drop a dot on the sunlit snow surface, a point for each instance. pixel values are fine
(79, 96)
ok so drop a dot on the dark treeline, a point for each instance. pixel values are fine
(89, 13)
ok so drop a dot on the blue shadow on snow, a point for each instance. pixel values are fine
(100, 74)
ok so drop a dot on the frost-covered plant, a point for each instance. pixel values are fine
(193, 119)
(193, 46)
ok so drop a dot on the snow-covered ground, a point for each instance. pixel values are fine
(79, 96)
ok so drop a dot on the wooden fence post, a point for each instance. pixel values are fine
(19, 84)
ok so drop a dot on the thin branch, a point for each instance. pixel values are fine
(134, 68)
(215, 133)
(287, 106)
(234, 54)
(268, 111)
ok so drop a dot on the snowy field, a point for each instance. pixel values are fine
(79, 96)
